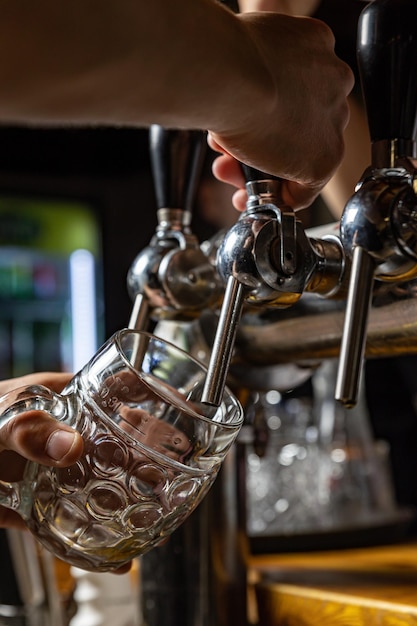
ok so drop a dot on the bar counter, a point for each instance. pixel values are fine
(358, 587)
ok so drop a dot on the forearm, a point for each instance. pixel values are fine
(126, 62)
(268, 86)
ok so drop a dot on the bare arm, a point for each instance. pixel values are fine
(126, 62)
(269, 87)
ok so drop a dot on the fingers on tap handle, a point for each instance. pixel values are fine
(252, 174)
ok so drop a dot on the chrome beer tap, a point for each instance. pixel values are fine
(172, 278)
(267, 259)
(270, 254)
(379, 222)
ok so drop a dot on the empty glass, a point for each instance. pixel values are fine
(151, 452)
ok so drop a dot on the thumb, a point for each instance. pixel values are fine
(38, 437)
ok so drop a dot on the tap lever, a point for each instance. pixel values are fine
(234, 297)
(177, 157)
(251, 174)
(263, 189)
(172, 272)
(387, 58)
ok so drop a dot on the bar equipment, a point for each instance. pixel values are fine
(266, 258)
(285, 291)
(378, 224)
(172, 278)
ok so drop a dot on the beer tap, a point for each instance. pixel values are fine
(172, 278)
(379, 223)
(267, 259)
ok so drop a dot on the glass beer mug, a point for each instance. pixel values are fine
(151, 452)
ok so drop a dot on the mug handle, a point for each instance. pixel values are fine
(13, 403)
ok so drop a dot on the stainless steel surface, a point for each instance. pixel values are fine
(273, 264)
(140, 312)
(381, 218)
(223, 343)
(378, 225)
(172, 273)
(354, 329)
(269, 252)
(377, 229)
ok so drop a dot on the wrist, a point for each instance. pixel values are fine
(248, 92)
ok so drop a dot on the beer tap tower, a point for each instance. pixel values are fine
(267, 260)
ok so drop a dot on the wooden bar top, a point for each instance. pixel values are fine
(362, 587)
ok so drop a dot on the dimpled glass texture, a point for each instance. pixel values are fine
(151, 453)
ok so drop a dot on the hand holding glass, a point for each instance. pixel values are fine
(151, 452)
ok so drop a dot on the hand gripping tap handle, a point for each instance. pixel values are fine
(251, 174)
(387, 58)
(231, 309)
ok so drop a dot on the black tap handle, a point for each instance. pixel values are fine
(177, 158)
(387, 59)
(251, 174)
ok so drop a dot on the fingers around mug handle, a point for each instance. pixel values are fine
(23, 428)
(28, 426)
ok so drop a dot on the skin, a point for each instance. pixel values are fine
(267, 86)
(357, 154)
(33, 436)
